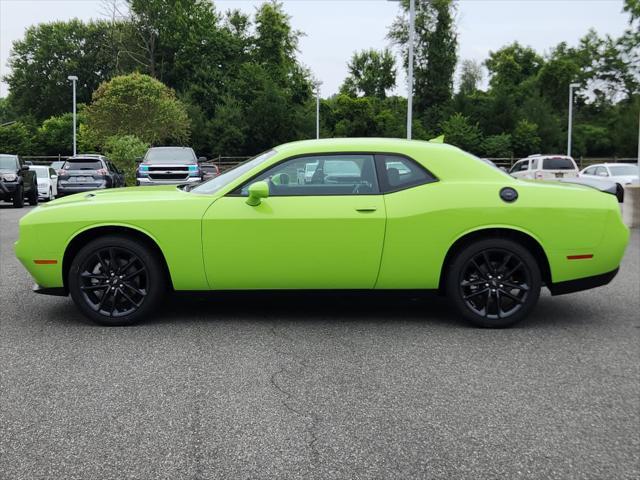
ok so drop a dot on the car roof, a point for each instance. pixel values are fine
(86, 155)
(170, 148)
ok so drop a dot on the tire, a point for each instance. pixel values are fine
(96, 289)
(620, 193)
(494, 282)
(18, 197)
(51, 197)
(33, 196)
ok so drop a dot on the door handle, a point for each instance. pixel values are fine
(366, 209)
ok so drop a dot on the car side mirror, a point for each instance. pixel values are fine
(53, 177)
(202, 159)
(257, 191)
(24, 168)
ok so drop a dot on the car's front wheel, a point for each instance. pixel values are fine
(33, 196)
(115, 280)
(494, 282)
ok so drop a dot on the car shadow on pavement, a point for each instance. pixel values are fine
(302, 307)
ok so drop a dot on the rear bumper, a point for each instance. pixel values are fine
(571, 286)
(69, 190)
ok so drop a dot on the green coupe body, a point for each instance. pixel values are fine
(336, 214)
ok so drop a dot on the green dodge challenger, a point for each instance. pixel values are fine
(366, 214)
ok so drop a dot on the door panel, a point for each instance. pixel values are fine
(294, 242)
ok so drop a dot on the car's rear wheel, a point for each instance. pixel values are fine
(115, 280)
(494, 282)
(18, 197)
(33, 196)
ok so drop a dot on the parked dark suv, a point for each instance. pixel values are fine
(17, 181)
(88, 172)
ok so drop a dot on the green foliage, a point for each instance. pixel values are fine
(49, 52)
(525, 139)
(497, 146)
(55, 136)
(137, 105)
(459, 131)
(123, 151)
(435, 55)
(512, 65)
(371, 73)
(15, 139)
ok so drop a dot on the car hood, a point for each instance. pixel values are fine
(121, 195)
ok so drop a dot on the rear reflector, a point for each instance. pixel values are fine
(45, 262)
(580, 257)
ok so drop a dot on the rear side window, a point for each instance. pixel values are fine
(520, 166)
(558, 163)
(85, 164)
(398, 173)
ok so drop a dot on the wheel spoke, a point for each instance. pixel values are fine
(511, 296)
(517, 286)
(472, 283)
(113, 261)
(504, 263)
(97, 276)
(127, 265)
(105, 268)
(93, 287)
(474, 294)
(114, 302)
(131, 287)
(487, 262)
(129, 299)
(134, 274)
(513, 270)
(477, 267)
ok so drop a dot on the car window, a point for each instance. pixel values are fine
(590, 171)
(623, 169)
(9, 162)
(344, 174)
(534, 164)
(82, 164)
(397, 173)
(602, 172)
(41, 172)
(520, 166)
(558, 163)
(52, 172)
(170, 155)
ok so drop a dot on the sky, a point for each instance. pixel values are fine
(334, 29)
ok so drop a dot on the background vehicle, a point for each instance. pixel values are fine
(620, 173)
(545, 167)
(209, 171)
(83, 173)
(169, 166)
(410, 215)
(47, 179)
(17, 181)
(57, 166)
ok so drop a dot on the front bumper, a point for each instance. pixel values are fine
(8, 188)
(146, 181)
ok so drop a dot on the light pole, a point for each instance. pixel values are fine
(317, 85)
(412, 27)
(74, 79)
(570, 126)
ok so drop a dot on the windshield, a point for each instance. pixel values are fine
(624, 170)
(170, 155)
(558, 163)
(215, 184)
(9, 162)
(41, 172)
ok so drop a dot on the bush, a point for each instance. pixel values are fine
(460, 132)
(137, 105)
(55, 136)
(123, 151)
(525, 139)
(497, 146)
(15, 139)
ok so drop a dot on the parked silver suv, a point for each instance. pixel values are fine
(169, 166)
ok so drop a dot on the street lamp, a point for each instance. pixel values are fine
(317, 85)
(74, 79)
(571, 87)
(412, 21)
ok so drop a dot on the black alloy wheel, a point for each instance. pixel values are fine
(116, 281)
(494, 283)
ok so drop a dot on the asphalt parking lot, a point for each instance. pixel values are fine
(255, 386)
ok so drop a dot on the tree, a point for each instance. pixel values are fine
(123, 151)
(497, 146)
(55, 136)
(137, 105)
(371, 73)
(511, 66)
(470, 77)
(15, 139)
(49, 52)
(435, 55)
(525, 139)
(460, 132)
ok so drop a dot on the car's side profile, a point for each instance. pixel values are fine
(47, 179)
(386, 215)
